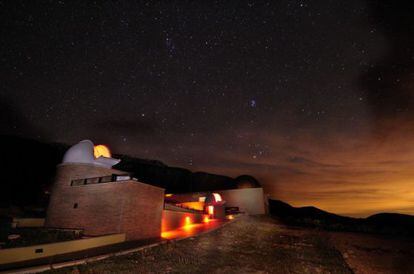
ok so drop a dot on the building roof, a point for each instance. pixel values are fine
(83, 152)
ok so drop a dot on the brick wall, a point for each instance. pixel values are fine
(127, 207)
(172, 219)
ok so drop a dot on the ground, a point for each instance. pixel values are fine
(248, 245)
(264, 245)
(370, 253)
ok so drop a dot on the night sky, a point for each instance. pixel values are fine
(313, 98)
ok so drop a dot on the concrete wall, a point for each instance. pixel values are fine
(219, 212)
(249, 200)
(128, 207)
(19, 254)
(172, 219)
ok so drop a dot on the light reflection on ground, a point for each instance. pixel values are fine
(191, 230)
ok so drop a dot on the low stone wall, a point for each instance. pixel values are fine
(28, 222)
(20, 254)
(172, 219)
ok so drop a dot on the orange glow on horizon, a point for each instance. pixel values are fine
(101, 150)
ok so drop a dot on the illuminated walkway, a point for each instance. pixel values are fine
(192, 230)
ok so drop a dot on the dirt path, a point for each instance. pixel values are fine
(249, 245)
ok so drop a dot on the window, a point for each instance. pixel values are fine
(103, 179)
(106, 179)
(90, 181)
(78, 182)
(122, 178)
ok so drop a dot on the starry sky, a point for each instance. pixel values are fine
(313, 98)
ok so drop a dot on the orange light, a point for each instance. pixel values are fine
(230, 217)
(192, 205)
(206, 219)
(101, 150)
(185, 231)
(168, 195)
(169, 234)
(210, 210)
(187, 220)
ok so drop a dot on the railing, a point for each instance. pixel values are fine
(100, 180)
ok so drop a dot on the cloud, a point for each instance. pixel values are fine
(310, 163)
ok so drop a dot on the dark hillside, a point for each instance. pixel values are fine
(27, 168)
(384, 223)
(173, 179)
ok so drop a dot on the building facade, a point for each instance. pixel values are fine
(88, 194)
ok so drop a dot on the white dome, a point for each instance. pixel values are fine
(82, 152)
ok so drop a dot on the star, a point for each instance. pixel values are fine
(253, 103)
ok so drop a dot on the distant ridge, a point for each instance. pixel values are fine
(283, 209)
(383, 223)
(173, 179)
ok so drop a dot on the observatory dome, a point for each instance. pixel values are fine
(246, 181)
(83, 152)
(214, 199)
